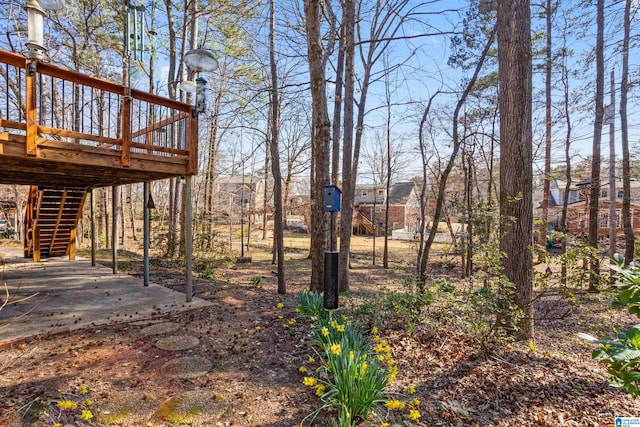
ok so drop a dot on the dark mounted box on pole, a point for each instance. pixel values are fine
(331, 280)
(332, 198)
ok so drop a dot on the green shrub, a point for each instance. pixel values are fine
(622, 355)
(352, 377)
(311, 305)
(356, 381)
(207, 274)
(444, 285)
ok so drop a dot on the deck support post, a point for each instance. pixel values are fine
(146, 231)
(188, 238)
(93, 228)
(114, 227)
(72, 243)
(36, 244)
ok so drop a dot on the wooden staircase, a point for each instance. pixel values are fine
(51, 219)
(362, 224)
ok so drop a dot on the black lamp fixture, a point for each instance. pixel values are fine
(198, 60)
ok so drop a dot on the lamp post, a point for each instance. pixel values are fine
(35, 33)
(197, 61)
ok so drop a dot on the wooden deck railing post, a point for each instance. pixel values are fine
(30, 108)
(125, 159)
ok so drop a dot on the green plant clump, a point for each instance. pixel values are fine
(622, 355)
(352, 378)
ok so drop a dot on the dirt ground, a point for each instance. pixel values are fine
(240, 364)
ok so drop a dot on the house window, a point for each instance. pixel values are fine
(379, 208)
(620, 194)
(380, 192)
(604, 194)
(364, 194)
(604, 220)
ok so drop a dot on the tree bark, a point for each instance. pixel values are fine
(567, 156)
(516, 170)
(629, 238)
(594, 193)
(613, 220)
(349, 163)
(542, 236)
(320, 140)
(275, 153)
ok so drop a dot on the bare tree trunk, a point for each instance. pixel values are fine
(567, 156)
(275, 153)
(320, 138)
(542, 235)
(516, 170)
(265, 192)
(469, 203)
(629, 238)
(422, 223)
(440, 198)
(337, 120)
(349, 163)
(594, 274)
(385, 256)
(104, 212)
(123, 228)
(613, 220)
(132, 214)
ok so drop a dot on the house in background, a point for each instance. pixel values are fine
(370, 209)
(578, 207)
(237, 196)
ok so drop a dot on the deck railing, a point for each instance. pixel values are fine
(53, 106)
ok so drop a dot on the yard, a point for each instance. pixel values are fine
(239, 363)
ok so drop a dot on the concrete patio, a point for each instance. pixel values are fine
(58, 295)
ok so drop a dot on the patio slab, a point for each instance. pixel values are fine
(58, 295)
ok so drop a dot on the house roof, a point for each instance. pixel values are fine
(400, 193)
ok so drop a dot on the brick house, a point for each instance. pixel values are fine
(370, 209)
(578, 208)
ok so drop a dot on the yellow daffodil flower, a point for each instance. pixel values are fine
(394, 404)
(86, 415)
(414, 415)
(67, 405)
(309, 381)
(335, 349)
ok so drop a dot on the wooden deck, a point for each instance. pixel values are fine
(62, 128)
